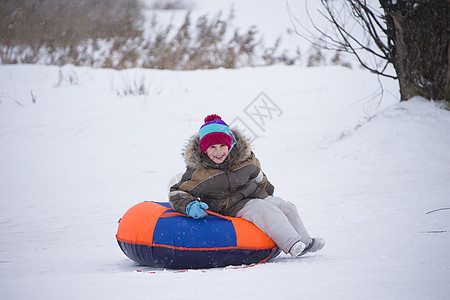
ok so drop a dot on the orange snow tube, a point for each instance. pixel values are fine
(152, 234)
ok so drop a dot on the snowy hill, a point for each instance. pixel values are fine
(369, 176)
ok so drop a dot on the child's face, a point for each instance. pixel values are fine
(217, 153)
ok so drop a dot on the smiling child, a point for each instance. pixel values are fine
(224, 175)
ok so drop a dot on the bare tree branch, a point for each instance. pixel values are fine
(342, 39)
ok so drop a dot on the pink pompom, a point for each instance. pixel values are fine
(212, 118)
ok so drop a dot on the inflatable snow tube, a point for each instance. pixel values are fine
(152, 234)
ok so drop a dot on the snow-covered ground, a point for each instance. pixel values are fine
(371, 176)
(365, 175)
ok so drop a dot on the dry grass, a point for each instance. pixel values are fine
(109, 34)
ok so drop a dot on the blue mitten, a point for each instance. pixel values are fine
(195, 209)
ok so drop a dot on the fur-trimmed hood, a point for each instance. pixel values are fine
(195, 158)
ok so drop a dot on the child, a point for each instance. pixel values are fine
(224, 175)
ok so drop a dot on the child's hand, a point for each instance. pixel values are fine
(195, 209)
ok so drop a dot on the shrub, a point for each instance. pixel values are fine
(63, 23)
(109, 34)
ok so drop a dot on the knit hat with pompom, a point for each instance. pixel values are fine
(213, 132)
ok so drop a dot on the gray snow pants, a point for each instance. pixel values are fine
(278, 219)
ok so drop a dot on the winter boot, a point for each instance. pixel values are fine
(316, 244)
(297, 249)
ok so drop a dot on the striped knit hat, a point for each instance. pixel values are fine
(213, 132)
